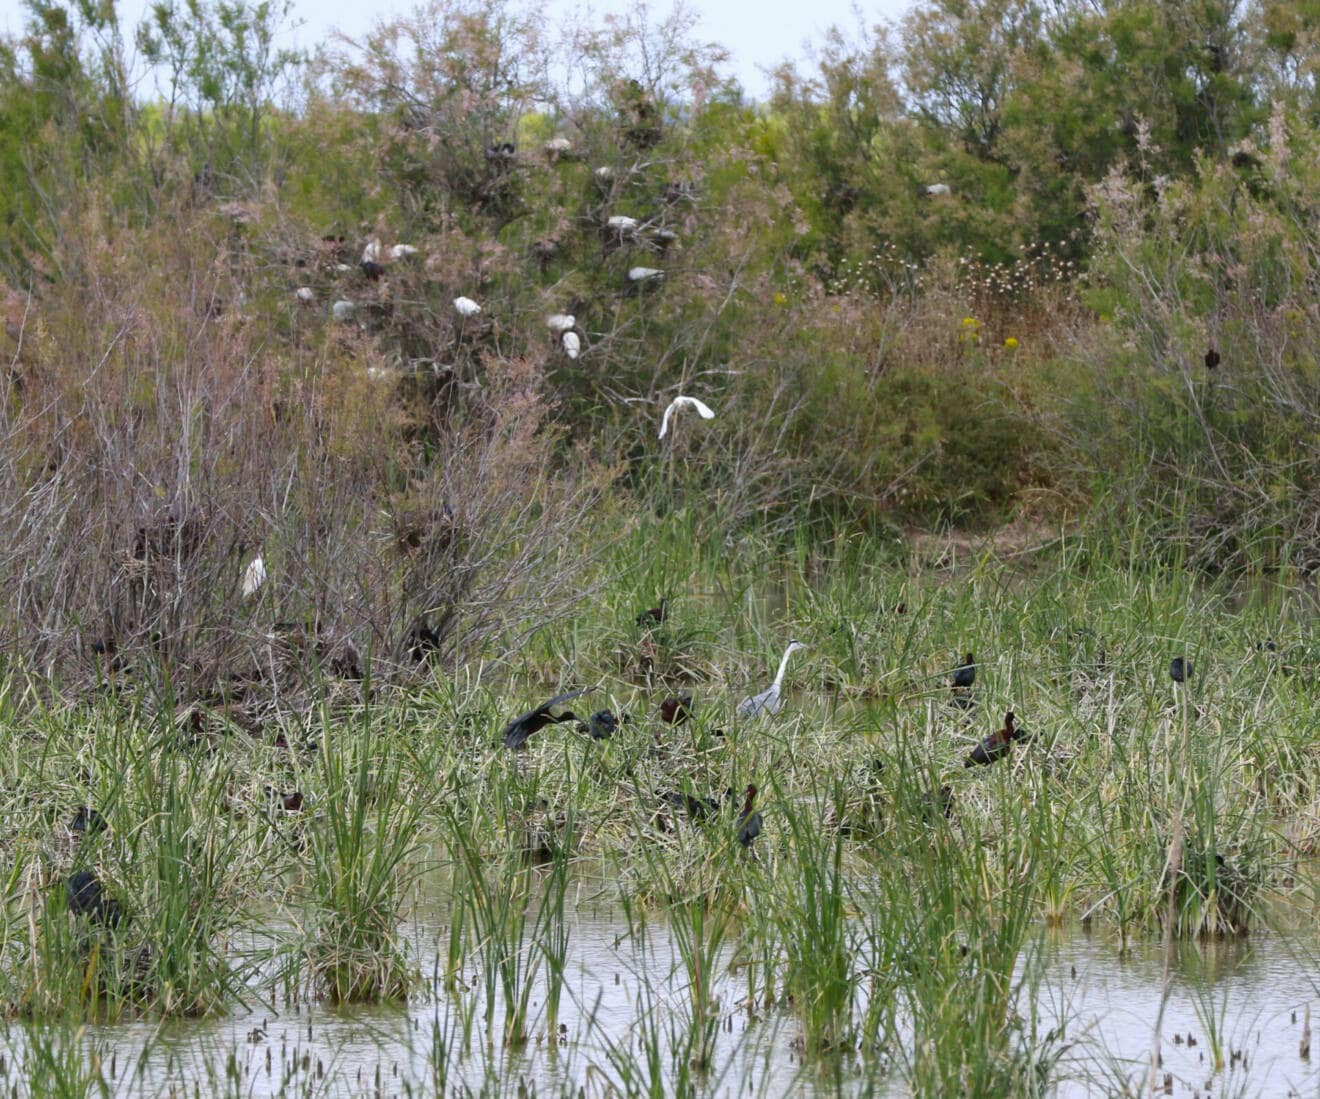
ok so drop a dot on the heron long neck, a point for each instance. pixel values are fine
(783, 667)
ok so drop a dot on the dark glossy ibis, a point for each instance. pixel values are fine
(290, 803)
(997, 745)
(965, 674)
(88, 821)
(524, 725)
(602, 724)
(937, 803)
(1180, 669)
(85, 896)
(106, 652)
(1211, 359)
(699, 809)
(676, 709)
(372, 269)
(653, 616)
(749, 821)
(422, 642)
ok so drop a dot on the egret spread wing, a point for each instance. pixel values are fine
(664, 422)
(703, 410)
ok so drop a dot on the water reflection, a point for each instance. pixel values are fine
(1242, 1002)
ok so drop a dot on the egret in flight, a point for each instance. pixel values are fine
(703, 410)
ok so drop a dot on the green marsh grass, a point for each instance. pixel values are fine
(893, 906)
(359, 850)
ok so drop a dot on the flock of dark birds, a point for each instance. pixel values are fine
(676, 709)
(86, 898)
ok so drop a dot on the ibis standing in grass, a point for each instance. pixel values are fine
(749, 820)
(997, 745)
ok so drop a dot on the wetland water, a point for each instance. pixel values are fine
(1246, 998)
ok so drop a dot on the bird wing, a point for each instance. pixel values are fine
(756, 704)
(567, 696)
(514, 734)
(664, 422)
(703, 409)
(254, 575)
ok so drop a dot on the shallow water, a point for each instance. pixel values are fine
(1252, 994)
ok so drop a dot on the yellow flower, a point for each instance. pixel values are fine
(970, 322)
(781, 298)
(1011, 343)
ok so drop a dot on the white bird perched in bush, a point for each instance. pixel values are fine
(306, 294)
(621, 223)
(371, 253)
(466, 307)
(703, 410)
(604, 172)
(572, 344)
(769, 700)
(938, 189)
(558, 146)
(254, 575)
(402, 251)
(343, 310)
(560, 322)
(643, 274)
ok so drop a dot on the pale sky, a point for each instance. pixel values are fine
(759, 33)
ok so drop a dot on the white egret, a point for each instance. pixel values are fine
(371, 253)
(403, 251)
(938, 189)
(343, 310)
(306, 294)
(703, 410)
(254, 575)
(643, 274)
(560, 322)
(558, 146)
(769, 700)
(572, 344)
(621, 223)
(604, 172)
(466, 307)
